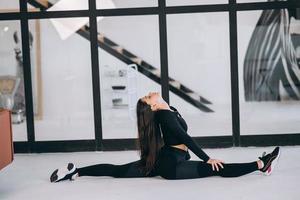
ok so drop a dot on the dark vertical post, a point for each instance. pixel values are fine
(95, 74)
(163, 50)
(234, 73)
(27, 75)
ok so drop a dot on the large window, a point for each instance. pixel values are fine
(194, 2)
(62, 86)
(231, 68)
(102, 4)
(253, 1)
(12, 93)
(9, 6)
(199, 66)
(58, 5)
(128, 40)
(269, 72)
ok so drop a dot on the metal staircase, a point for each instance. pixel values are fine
(143, 67)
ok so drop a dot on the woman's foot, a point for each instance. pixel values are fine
(64, 173)
(269, 161)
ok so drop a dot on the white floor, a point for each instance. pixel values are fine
(28, 178)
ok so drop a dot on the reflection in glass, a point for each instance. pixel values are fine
(126, 42)
(253, 1)
(194, 2)
(56, 5)
(60, 5)
(269, 70)
(199, 71)
(63, 85)
(107, 4)
(9, 6)
(12, 93)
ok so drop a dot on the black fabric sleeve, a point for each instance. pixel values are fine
(169, 120)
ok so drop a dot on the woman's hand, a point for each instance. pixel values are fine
(215, 163)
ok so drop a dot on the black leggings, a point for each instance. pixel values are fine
(172, 163)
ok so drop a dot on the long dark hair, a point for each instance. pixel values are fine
(149, 137)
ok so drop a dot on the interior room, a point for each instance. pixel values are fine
(73, 74)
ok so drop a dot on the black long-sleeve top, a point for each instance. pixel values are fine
(174, 130)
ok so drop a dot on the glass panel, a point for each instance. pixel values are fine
(252, 1)
(57, 5)
(269, 74)
(12, 93)
(104, 4)
(62, 81)
(52, 5)
(199, 64)
(194, 2)
(9, 6)
(126, 40)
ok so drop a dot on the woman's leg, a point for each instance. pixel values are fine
(127, 170)
(199, 169)
(237, 169)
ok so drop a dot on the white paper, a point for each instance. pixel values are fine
(68, 26)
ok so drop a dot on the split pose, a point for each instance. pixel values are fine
(164, 146)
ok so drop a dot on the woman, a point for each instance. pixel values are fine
(167, 157)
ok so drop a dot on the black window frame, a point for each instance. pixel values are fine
(100, 144)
